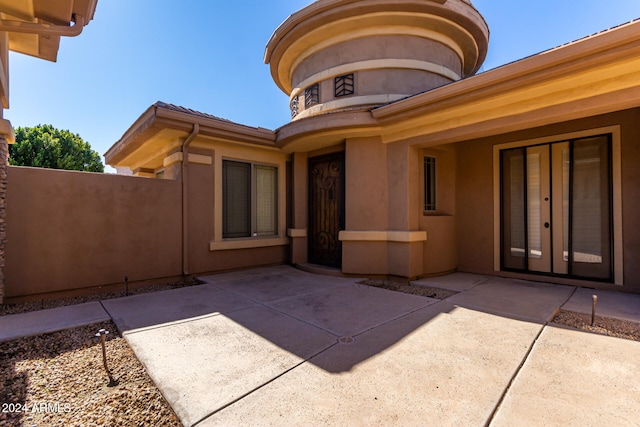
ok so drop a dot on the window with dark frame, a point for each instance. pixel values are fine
(294, 106)
(312, 95)
(344, 85)
(430, 184)
(249, 200)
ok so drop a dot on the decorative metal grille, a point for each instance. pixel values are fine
(344, 85)
(312, 95)
(294, 107)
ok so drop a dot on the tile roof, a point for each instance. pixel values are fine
(180, 109)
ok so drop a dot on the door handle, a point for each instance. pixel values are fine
(547, 225)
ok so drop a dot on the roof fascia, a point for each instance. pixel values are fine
(213, 127)
(131, 138)
(596, 49)
(157, 118)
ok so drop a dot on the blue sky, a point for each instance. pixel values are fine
(208, 55)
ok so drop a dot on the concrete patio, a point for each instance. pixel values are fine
(278, 346)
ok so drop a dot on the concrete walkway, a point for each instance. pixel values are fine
(278, 346)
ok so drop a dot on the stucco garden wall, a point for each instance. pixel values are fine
(72, 230)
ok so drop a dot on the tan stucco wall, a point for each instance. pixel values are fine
(69, 230)
(382, 183)
(366, 191)
(299, 208)
(440, 249)
(475, 211)
(378, 47)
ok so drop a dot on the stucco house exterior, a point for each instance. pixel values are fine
(33, 28)
(400, 160)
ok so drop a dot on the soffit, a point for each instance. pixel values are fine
(593, 76)
(45, 12)
(164, 127)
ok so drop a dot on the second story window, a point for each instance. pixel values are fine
(294, 107)
(344, 85)
(312, 95)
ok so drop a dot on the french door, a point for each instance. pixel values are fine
(556, 205)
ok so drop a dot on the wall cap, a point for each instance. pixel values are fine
(6, 131)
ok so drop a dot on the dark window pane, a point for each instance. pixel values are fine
(236, 203)
(429, 184)
(514, 209)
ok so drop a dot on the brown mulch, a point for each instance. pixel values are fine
(59, 379)
(408, 288)
(603, 325)
(6, 309)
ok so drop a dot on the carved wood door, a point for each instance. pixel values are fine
(326, 209)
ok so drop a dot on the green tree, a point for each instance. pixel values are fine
(44, 146)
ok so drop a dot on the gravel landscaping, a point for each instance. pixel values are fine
(603, 325)
(61, 302)
(59, 379)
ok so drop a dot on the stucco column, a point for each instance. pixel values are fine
(405, 257)
(6, 135)
(300, 213)
(365, 207)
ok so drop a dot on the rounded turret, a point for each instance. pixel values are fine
(344, 54)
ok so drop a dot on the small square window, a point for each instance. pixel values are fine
(294, 107)
(312, 95)
(430, 184)
(344, 85)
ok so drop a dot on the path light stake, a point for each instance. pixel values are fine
(593, 309)
(102, 335)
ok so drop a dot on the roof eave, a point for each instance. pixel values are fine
(513, 74)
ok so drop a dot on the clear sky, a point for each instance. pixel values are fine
(208, 55)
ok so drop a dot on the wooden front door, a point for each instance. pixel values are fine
(326, 209)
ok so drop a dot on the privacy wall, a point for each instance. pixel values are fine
(72, 230)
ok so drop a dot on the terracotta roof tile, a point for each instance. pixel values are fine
(180, 109)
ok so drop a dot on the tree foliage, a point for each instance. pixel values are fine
(44, 146)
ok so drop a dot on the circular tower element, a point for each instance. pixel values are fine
(344, 54)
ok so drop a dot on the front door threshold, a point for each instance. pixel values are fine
(320, 269)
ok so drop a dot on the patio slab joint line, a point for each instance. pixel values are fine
(514, 376)
(524, 360)
(386, 322)
(107, 311)
(239, 398)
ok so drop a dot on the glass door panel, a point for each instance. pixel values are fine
(560, 172)
(556, 208)
(514, 236)
(538, 205)
(591, 209)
